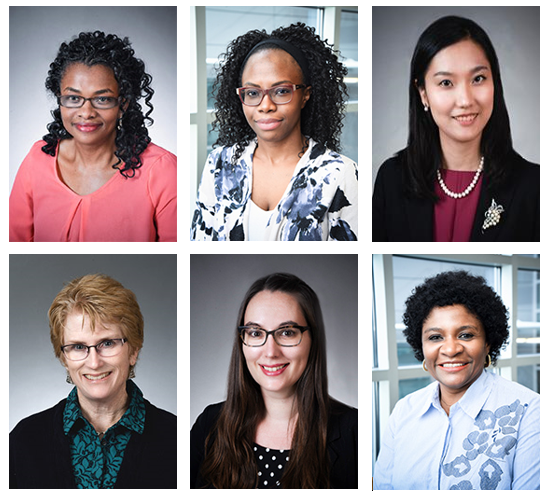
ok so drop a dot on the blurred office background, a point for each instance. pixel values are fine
(395, 371)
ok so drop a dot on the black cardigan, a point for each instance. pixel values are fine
(40, 454)
(342, 445)
(399, 218)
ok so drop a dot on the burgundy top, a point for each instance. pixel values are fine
(453, 217)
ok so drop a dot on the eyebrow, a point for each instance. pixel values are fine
(99, 92)
(281, 325)
(462, 328)
(474, 70)
(286, 81)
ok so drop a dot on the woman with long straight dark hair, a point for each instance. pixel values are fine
(459, 178)
(278, 428)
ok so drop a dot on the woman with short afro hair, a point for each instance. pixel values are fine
(96, 176)
(470, 429)
(277, 174)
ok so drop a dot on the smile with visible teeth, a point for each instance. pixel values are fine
(97, 377)
(466, 118)
(277, 368)
(453, 364)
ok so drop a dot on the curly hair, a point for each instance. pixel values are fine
(321, 118)
(451, 288)
(91, 49)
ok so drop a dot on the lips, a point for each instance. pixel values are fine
(268, 124)
(452, 367)
(465, 119)
(86, 127)
(273, 369)
(97, 377)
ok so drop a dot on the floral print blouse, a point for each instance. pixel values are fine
(320, 202)
(489, 441)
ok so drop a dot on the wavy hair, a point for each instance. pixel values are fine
(423, 155)
(230, 461)
(109, 50)
(321, 118)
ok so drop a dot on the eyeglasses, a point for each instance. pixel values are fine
(286, 336)
(106, 348)
(281, 94)
(99, 102)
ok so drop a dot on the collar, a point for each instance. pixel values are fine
(134, 417)
(471, 402)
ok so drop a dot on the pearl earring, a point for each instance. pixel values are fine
(426, 108)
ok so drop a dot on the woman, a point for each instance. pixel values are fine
(105, 434)
(96, 176)
(277, 174)
(278, 413)
(471, 429)
(459, 178)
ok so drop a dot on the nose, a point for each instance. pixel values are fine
(267, 104)
(271, 347)
(87, 110)
(464, 95)
(94, 359)
(451, 347)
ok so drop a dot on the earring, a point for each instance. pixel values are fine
(68, 379)
(119, 124)
(424, 366)
(131, 373)
(426, 107)
(488, 361)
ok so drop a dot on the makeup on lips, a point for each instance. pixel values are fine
(273, 369)
(453, 367)
(86, 127)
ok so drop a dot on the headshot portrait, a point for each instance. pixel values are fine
(92, 145)
(456, 146)
(277, 171)
(92, 400)
(274, 378)
(462, 410)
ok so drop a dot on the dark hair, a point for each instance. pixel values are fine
(321, 118)
(452, 288)
(134, 83)
(423, 156)
(230, 461)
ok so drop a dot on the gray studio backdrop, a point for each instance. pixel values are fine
(218, 284)
(515, 34)
(35, 36)
(37, 378)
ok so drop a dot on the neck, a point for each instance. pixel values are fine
(103, 415)
(461, 156)
(278, 153)
(280, 408)
(91, 156)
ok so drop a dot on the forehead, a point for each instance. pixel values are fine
(460, 57)
(270, 309)
(79, 76)
(78, 328)
(272, 64)
(450, 316)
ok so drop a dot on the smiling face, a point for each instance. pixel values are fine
(276, 369)
(86, 124)
(98, 379)
(459, 91)
(454, 347)
(271, 122)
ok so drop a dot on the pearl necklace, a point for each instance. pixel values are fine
(470, 187)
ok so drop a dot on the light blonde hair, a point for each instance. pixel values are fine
(105, 301)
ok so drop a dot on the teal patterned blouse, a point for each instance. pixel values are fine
(96, 462)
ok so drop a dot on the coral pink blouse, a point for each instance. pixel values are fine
(138, 209)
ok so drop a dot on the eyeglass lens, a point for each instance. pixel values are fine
(288, 337)
(76, 101)
(278, 94)
(107, 348)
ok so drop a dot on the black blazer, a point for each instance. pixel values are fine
(40, 454)
(342, 445)
(398, 218)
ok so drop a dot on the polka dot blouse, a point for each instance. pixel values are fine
(270, 466)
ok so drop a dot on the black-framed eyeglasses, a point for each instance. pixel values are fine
(281, 94)
(99, 102)
(286, 336)
(106, 348)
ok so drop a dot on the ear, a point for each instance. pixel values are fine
(423, 95)
(306, 96)
(133, 357)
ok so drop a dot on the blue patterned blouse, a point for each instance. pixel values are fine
(96, 463)
(489, 441)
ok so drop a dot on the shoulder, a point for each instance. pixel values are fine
(209, 415)
(415, 403)
(391, 168)
(509, 391)
(35, 156)
(320, 155)
(166, 418)
(343, 413)
(158, 155)
(40, 422)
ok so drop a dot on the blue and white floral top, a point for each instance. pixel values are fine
(490, 440)
(96, 462)
(320, 202)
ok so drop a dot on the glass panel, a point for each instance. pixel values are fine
(408, 386)
(375, 422)
(529, 376)
(528, 312)
(348, 46)
(408, 273)
(349, 136)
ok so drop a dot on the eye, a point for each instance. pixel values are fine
(289, 332)
(251, 93)
(434, 338)
(446, 83)
(466, 336)
(479, 79)
(254, 332)
(106, 344)
(281, 90)
(77, 346)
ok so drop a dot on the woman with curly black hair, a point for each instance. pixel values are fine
(277, 174)
(471, 429)
(96, 176)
